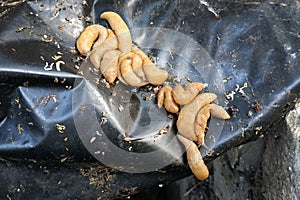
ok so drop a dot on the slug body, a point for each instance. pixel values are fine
(121, 30)
(109, 65)
(187, 115)
(127, 61)
(201, 122)
(188, 94)
(164, 97)
(88, 36)
(154, 75)
(194, 158)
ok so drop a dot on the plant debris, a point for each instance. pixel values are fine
(18, 30)
(60, 128)
(257, 106)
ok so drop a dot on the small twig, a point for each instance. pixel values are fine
(191, 189)
(14, 3)
(210, 9)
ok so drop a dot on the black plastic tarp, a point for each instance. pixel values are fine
(57, 119)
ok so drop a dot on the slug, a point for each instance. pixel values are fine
(194, 158)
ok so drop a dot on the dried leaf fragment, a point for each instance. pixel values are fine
(257, 106)
(60, 128)
(20, 129)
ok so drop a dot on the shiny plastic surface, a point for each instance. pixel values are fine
(253, 48)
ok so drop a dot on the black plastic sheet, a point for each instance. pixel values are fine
(50, 131)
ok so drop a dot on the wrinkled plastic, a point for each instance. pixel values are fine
(254, 47)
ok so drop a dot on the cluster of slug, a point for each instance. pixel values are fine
(192, 119)
(112, 51)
